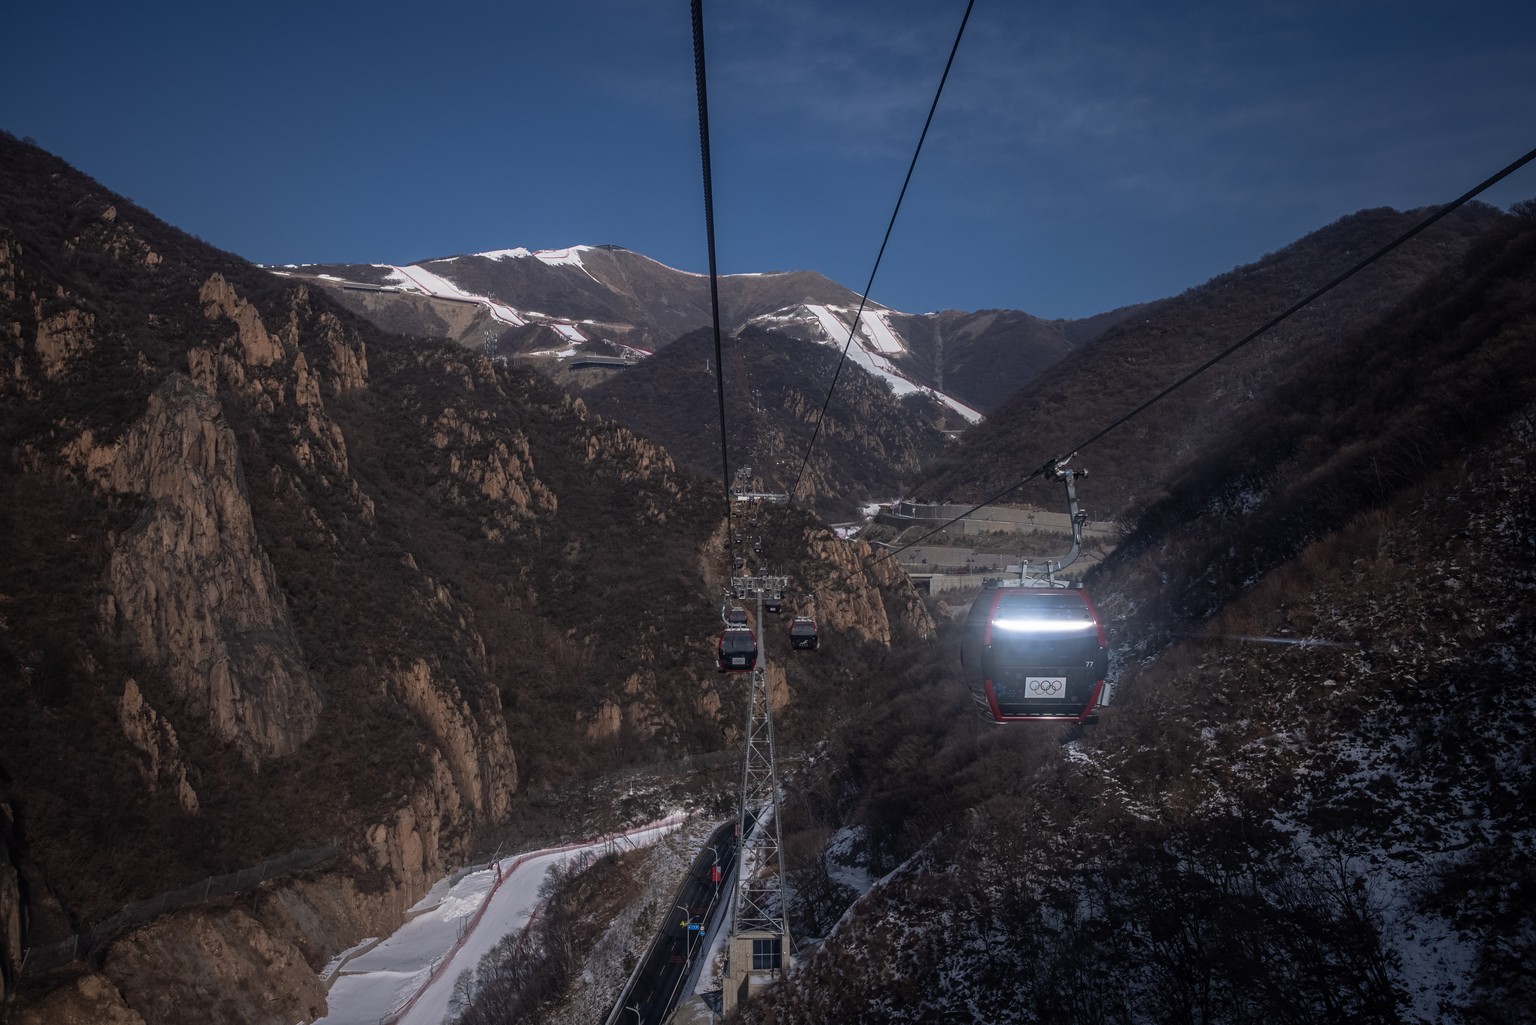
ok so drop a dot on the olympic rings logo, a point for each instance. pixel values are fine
(1046, 688)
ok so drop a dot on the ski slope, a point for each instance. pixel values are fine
(873, 345)
(408, 978)
(440, 287)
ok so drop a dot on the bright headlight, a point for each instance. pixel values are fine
(1042, 626)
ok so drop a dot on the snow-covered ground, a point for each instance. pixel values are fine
(876, 342)
(843, 862)
(877, 325)
(569, 257)
(418, 277)
(405, 973)
(440, 287)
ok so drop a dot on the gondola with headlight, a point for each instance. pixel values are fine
(1035, 649)
(1035, 653)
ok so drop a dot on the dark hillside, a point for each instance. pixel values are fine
(276, 580)
(870, 441)
(421, 523)
(982, 358)
(1132, 361)
(1312, 798)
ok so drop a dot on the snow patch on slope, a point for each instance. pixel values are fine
(875, 343)
(435, 285)
(567, 257)
(440, 287)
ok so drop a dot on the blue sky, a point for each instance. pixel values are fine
(1084, 156)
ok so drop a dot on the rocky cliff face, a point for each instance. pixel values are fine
(873, 597)
(282, 582)
(234, 970)
(165, 766)
(177, 421)
(189, 586)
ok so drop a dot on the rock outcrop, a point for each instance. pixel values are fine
(153, 734)
(481, 463)
(477, 753)
(871, 595)
(62, 338)
(89, 1000)
(189, 585)
(205, 966)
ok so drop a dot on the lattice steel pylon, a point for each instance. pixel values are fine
(759, 904)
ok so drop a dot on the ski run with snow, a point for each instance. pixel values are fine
(405, 980)
(877, 343)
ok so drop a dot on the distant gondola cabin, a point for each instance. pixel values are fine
(1034, 653)
(738, 650)
(802, 634)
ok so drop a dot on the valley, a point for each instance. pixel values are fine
(295, 565)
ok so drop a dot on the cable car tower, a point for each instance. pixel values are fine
(759, 904)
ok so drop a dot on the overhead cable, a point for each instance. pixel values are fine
(864, 299)
(1050, 464)
(709, 230)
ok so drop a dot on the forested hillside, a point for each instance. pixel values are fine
(1136, 358)
(1311, 799)
(276, 580)
(868, 445)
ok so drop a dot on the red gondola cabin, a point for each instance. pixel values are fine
(738, 650)
(802, 634)
(1034, 653)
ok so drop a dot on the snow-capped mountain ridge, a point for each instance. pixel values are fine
(879, 342)
(614, 298)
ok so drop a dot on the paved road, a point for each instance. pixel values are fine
(657, 986)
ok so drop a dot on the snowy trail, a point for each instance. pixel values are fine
(442, 288)
(396, 981)
(877, 331)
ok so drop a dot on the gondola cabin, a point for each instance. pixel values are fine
(802, 634)
(774, 603)
(737, 616)
(1034, 653)
(738, 650)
